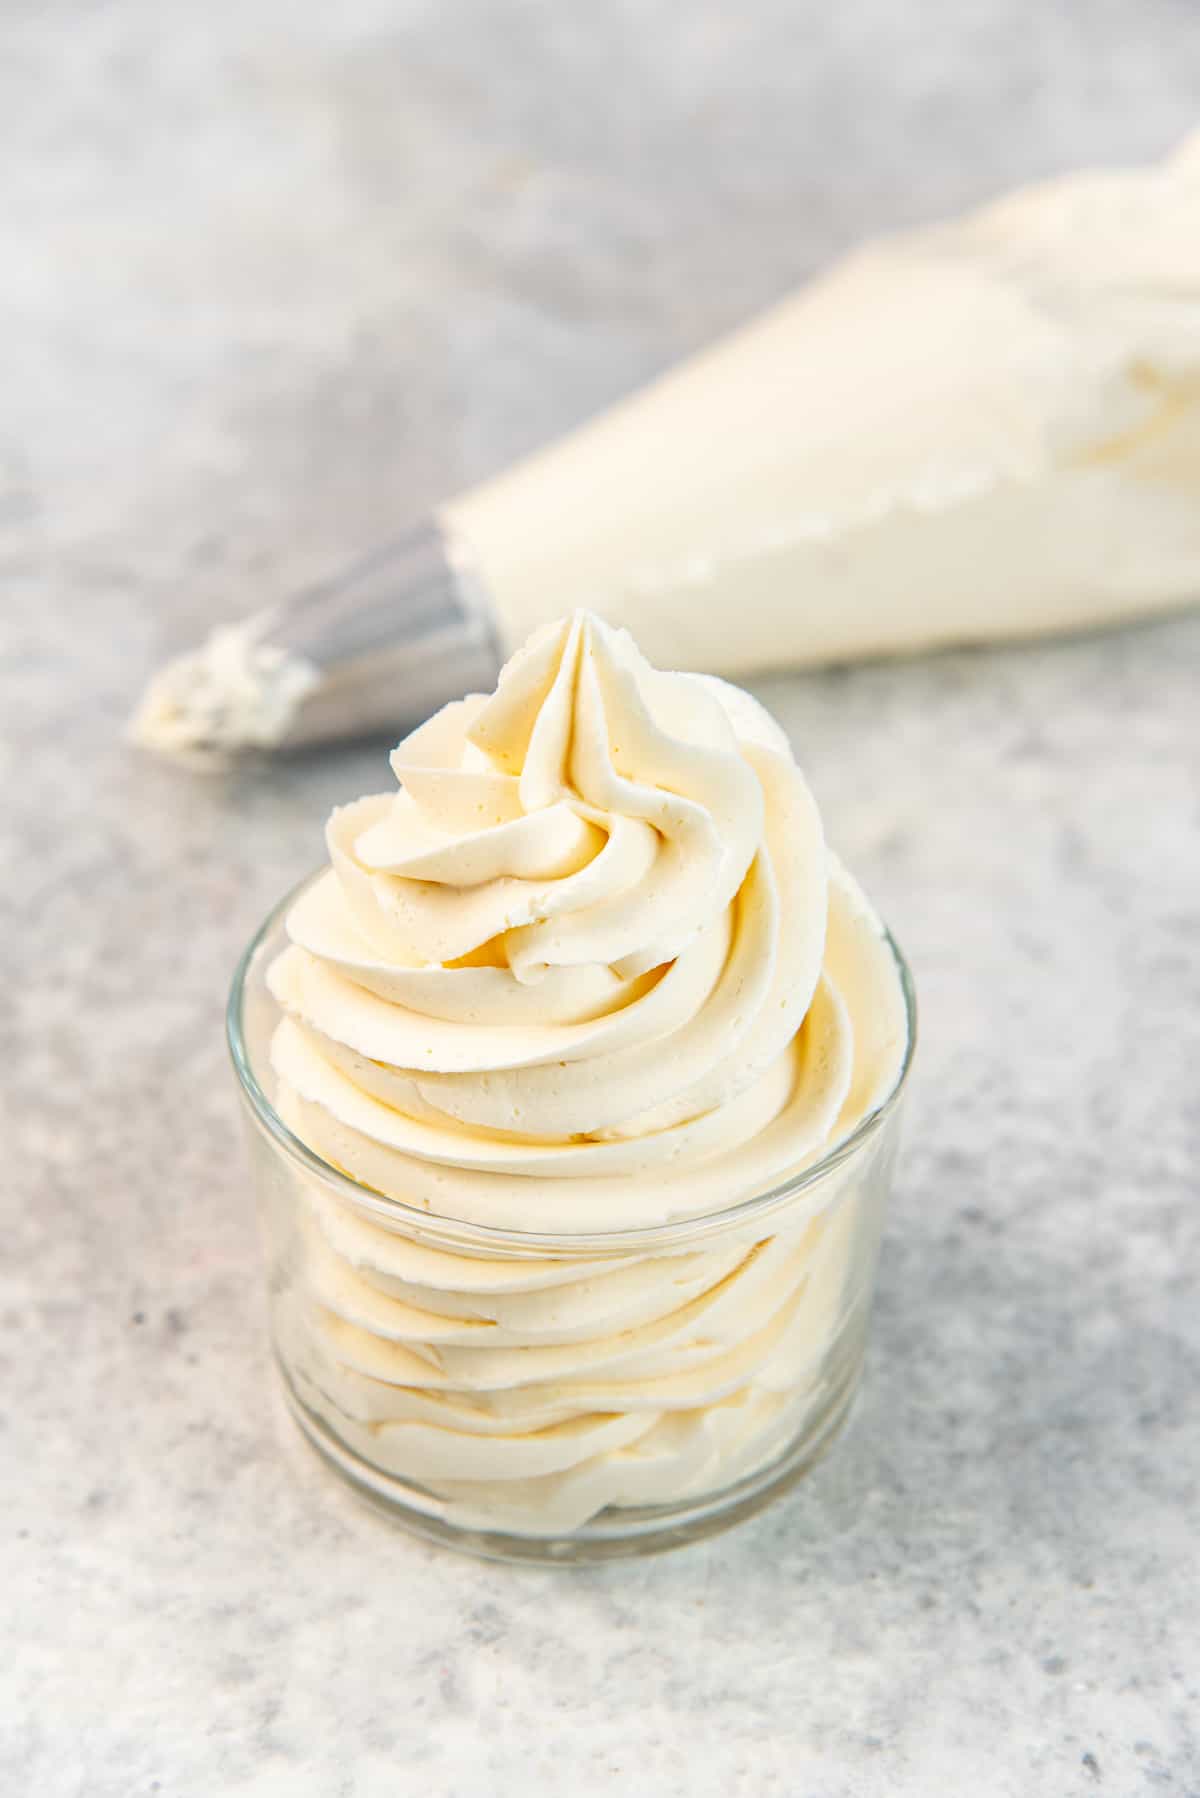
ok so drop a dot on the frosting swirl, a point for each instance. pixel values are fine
(591, 969)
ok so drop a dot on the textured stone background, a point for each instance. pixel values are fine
(273, 278)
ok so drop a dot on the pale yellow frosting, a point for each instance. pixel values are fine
(591, 969)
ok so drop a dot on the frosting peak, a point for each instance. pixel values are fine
(609, 822)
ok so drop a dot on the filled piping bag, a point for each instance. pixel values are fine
(980, 430)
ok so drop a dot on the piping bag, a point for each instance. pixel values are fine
(978, 430)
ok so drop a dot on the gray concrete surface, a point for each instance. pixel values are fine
(273, 279)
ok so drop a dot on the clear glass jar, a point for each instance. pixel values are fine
(692, 1413)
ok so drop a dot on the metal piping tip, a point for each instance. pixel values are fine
(374, 649)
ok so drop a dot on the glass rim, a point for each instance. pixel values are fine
(469, 1234)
